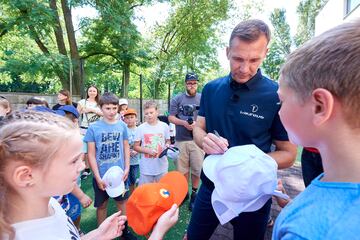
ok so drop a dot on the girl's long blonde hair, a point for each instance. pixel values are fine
(32, 138)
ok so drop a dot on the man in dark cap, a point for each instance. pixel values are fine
(183, 113)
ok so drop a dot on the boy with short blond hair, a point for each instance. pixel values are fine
(151, 138)
(320, 95)
(130, 118)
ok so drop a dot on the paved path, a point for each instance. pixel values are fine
(293, 183)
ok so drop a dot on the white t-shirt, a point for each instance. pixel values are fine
(153, 137)
(56, 227)
(87, 116)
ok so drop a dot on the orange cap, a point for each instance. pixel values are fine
(149, 201)
(130, 111)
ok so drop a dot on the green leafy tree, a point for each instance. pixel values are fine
(111, 37)
(280, 45)
(186, 42)
(26, 68)
(115, 39)
(39, 21)
(307, 11)
(249, 8)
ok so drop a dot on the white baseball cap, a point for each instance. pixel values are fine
(123, 101)
(172, 152)
(113, 179)
(245, 178)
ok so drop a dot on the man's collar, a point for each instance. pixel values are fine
(250, 84)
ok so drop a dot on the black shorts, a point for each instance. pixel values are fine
(133, 174)
(102, 196)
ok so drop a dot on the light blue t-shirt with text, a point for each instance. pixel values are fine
(109, 144)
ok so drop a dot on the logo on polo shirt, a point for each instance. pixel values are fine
(254, 108)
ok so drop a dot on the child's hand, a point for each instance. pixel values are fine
(126, 174)
(90, 110)
(280, 201)
(152, 152)
(112, 227)
(85, 201)
(280, 186)
(165, 222)
(85, 110)
(133, 153)
(101, 184)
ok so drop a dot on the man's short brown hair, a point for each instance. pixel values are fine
(250, 31)
(330, 61)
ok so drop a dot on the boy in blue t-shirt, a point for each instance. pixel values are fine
(320, 96)
(108, 146)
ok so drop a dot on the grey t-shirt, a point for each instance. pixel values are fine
(182, 134)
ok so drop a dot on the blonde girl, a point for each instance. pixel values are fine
(39, 158)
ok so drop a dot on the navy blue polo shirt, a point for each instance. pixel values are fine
(243, 113)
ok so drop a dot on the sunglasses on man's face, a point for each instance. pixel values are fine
(191, 83)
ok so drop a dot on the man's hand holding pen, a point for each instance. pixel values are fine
(215, 144)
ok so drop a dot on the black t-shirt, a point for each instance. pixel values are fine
(57, 106)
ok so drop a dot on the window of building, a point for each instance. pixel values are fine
(351, 5)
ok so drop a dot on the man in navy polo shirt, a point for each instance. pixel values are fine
(242, 108)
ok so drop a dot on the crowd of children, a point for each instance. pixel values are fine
(108, 141)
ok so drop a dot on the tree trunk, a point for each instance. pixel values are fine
(75, 57)
(33, 33)
(158, 81)
(157, 88)
(125, 89)
(63, 75)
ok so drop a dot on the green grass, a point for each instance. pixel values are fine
(88, 216)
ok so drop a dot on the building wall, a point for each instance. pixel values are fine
(18, 101)
(333, 14)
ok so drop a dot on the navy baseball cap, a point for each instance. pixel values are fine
(70, 109)
(191, 76)
(40, 108)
